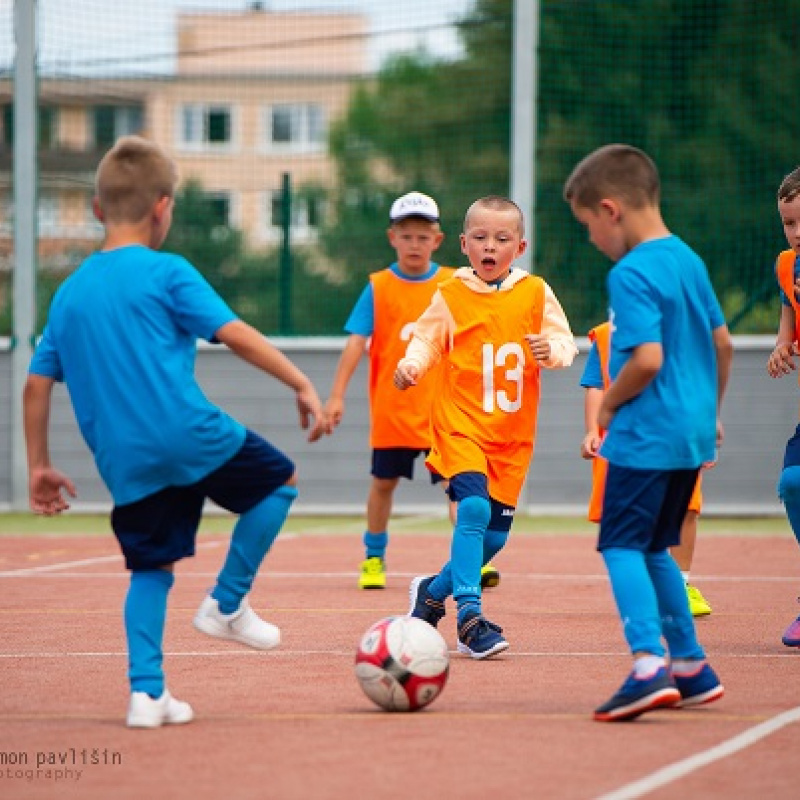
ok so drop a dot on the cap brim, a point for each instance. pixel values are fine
(416, 214)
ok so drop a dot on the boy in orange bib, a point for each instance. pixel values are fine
(492, 328)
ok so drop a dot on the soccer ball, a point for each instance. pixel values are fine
(402, 663)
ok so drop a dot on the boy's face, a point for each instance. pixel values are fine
(415, 240)
(602, 225)
(491, 241)
(789, 211)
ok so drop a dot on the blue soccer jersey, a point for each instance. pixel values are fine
(122, 334)
(660, 292)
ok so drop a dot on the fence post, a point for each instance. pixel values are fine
(286, 255)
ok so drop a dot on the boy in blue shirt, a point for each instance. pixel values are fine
(671, 354)
(121, 334)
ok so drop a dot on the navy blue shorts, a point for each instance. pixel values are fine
(643, 509)
(791, 457)
(397, 462)
(161, 528)
(472, 484)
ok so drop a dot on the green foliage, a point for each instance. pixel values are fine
(660, 76)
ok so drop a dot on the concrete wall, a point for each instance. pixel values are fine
(759, 415)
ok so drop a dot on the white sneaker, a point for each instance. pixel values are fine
(244, 625)
(144, 712)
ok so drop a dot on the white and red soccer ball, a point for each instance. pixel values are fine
(402, 663)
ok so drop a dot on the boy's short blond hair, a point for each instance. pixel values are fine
(132, 177)
(790, 186)
(615, 171)
(496, 202)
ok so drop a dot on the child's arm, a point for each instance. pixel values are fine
(781, 361)
(348, 362)
(637, 374)
(45, 484)
(252, 346)
(427, 346)
(554, 346)
(593, 399)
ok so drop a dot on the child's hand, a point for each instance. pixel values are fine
(309, 406)
(45, 487)
(590, 446)
(539, 346)
(334, 408)
(405, 376)
(781, 360)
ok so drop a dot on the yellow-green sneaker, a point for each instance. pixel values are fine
(490, 577)
(373, 574)
(698, 605)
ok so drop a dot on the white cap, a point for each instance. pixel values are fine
(414, 204)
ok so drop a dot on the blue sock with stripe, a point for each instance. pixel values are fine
(252, 538)
(466, 553)
(441, 587)
(145, 614)
(789, 493)
(376, 544)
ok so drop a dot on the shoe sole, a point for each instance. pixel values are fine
(701, 699)
(493, 651)
(372, 586)
(663, 698)
(413, 593)
(210, 628)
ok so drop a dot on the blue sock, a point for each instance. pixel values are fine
(466, 552)
(676, 619)
(789, 493)
(145, 615)
(376, 544)
(636, 599)
(252, 537)
(441, 587)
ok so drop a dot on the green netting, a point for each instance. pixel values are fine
(349, 104)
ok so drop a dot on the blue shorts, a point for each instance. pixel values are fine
(475, 484)
(791, 457)
(397, 462)
(161, 528)
(643, 509)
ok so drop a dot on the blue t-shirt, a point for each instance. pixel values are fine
(592, 377)
(122, 334)
(362, 318)
(660, 292)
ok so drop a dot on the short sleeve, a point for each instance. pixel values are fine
(362, 318)
(592, 377)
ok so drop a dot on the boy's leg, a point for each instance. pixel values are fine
(376, 536)
(683, 554)
(252, 537)
(145, 617)
(789, 493)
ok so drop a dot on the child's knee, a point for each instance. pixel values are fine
(789, 486)
(474, 511)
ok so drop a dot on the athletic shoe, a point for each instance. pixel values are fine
(422, 605)
(145, 712)
(490, 577)
(479, 638)
(791, 636)
(698, 605)
(638, 695)
(373, 574)
(244, 625)
(700, 687)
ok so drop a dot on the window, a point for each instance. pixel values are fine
(47, 122)
(111, 122)
(299, 127)
(203, 126)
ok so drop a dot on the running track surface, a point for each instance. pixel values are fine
(293, 723)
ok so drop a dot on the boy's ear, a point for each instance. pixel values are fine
(610, 208)
(390, 234)
(438, 239)
(161, 206)
(96, 210)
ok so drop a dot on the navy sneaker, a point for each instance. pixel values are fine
(700, 687)
(479, 638)
(423, 606)
(638, 695)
